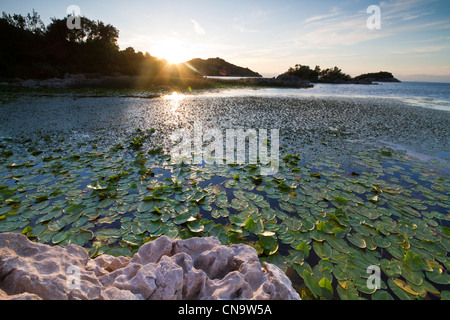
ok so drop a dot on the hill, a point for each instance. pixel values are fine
(220, 67)
(382, 76)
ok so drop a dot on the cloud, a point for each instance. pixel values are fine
(198, 28)
(258, 13)
(244, 29)
(334, 12)
(238, 24)
(332, 30)
(430, 49)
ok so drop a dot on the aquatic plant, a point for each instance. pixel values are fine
(323, 223)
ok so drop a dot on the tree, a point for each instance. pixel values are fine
(333, 75)
(305, 72)
(31, 22)
(31, 50)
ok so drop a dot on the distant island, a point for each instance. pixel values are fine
(381, 76)
(220, 67)
(336, 76)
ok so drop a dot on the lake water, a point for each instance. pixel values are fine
(424, 94)
(71, 173)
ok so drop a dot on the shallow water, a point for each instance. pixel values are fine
(310, 126)
(422, 94)
(90, 186)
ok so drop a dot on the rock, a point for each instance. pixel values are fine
(163, 269)
(284, 80)
(293, 81)
(74, 76)
(29, 83)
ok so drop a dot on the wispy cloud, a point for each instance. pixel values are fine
(431, 49)
(334, 12)
(240, 25)
(337, 29)
(198, 28)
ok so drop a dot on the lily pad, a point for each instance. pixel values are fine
(269, 244)
(356, 240)
(196, 226)
(381, 241)
(391, 268)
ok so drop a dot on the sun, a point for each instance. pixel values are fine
(173, 50)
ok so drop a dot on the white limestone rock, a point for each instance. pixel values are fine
(163, 269)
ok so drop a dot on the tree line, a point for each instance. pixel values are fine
(30, 49)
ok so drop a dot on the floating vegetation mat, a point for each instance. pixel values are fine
(324, 223)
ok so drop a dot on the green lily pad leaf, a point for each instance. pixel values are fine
(267, 234)
(323, 227)
(327, 289)
(315, 175)
(39, 206)
(235, 228)
(40, 197)
(445, 243)
(340, 201)
(75, 209)
(129, 244)
(391, 268)
(146, 206)
(153, 226)
(413, 261)
(170, 230)
(312, 283)
(438, 277)
(182, 218)
(399, 292)
(322, 250)
(413, 277)
(307, 225)
(380, 241)
(348, 293)
(317, 235)
(268, 214)
(293, 223)
(137, 228)
(254, 227)
(57, 225)
(356, 240)
(118, 252)
(196, 226)
(27, 230)
(361, 285)
(338, 244)
(237, 221)
(382, 295)
(105, 234)
(269, 244)
(86, 234)
(37, 230)
(404, 286)
(60, 237)
(303, 247)
(445, 295)
(54, 213)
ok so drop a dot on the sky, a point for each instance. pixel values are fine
(413, 41)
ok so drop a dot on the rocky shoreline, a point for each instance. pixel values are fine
(80, 80)
(163, 269)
